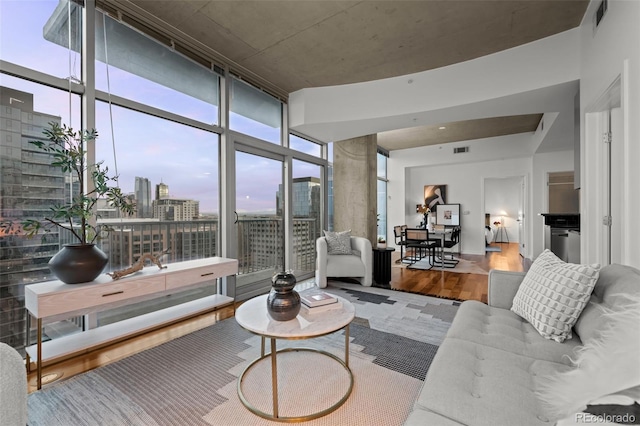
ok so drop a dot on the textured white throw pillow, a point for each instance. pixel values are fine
(553, 294)
(338, 242)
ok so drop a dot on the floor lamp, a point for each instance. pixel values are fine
(502, 232)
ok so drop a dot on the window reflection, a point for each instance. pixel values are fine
(29, 188)
(307, 213)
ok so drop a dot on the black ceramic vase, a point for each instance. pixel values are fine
(78, 263)
(283, 303)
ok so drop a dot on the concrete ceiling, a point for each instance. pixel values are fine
(458, 131)
(302, 44)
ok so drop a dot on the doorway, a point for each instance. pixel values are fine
(504, 212)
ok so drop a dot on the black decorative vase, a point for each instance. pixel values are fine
(78, 263)
(283, 303)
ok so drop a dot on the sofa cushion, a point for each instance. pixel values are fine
(338, 242)
(613, 283)
(607, 363)
(482, 386)
(553, 294)
(502, 329)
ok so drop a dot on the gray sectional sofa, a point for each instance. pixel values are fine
(492, 367)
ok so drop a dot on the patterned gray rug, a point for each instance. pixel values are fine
(192, 380)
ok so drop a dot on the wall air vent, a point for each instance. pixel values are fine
(460, 149)
(602, 10)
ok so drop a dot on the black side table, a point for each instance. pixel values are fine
(382, 266)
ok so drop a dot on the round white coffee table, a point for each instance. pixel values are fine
(252, 315)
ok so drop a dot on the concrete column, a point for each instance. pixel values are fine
(355, 186)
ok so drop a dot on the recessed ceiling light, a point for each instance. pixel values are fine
(441, 128)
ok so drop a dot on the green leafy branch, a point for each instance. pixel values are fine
(67, 148)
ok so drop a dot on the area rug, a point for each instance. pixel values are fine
(463, 267)
(192, 380)
(493, 249)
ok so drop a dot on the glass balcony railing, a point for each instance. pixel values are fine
(174, 241)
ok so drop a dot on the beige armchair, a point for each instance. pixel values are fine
(345, 265)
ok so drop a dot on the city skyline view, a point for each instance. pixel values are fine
(141, 144)
(157, 118)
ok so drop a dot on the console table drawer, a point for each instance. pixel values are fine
(200, 275)
(97, 295)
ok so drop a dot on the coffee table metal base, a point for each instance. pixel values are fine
(274, 382)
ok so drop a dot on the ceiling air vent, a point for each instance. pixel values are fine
(460, 149)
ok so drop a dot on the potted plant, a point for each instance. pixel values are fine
(81, 261)
(382, 242)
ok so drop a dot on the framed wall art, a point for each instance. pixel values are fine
(434, 195)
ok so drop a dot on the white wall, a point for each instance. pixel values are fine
(465, 174)
(503, 195)
(409, 170)
(611, 52)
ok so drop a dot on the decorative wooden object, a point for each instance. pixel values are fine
(116, 275)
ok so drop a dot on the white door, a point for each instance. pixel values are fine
(521, 219)
(615, 185)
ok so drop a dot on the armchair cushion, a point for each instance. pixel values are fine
(338, 242)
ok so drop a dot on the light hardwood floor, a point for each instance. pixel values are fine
(435, 282)
(451, 285)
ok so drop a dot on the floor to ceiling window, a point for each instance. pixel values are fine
(128, 65)
(254, 112)
(160, 130)
(36, 34)
(260, 222)
(307, 214)
(29, 185)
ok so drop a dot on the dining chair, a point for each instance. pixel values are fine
(449, 243)
(399, 235)
(418, 240)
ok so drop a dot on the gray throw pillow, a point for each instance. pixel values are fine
(338, 242)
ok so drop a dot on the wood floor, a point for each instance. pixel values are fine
(435, 282)
(451, 285)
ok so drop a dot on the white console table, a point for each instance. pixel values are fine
(54, 301)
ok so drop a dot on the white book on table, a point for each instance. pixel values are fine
(313, 297)
(304, 309)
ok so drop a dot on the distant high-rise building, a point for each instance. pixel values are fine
(30, 186)
(162, 191)
(176, 209)
(143, 198)
(306, 197)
